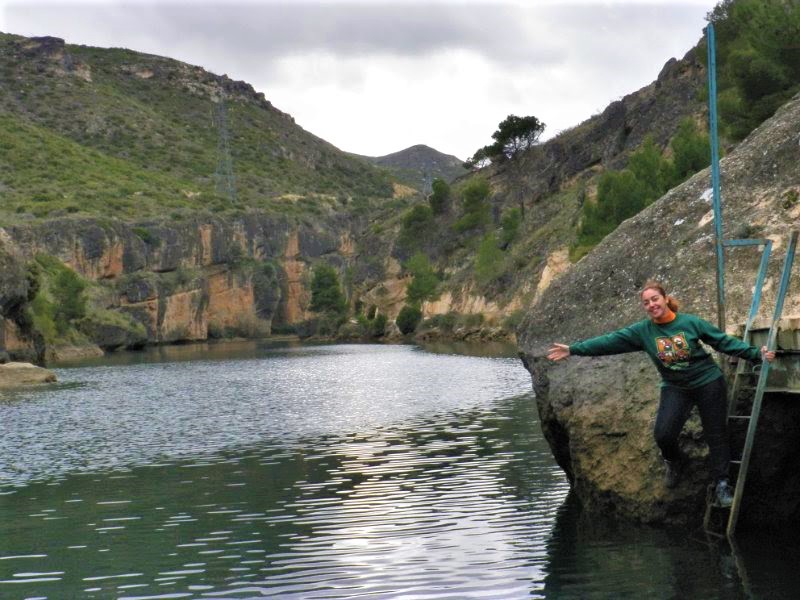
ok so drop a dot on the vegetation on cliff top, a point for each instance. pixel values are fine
(649, 174)
(758, 60)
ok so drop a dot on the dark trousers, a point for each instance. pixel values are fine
(712, 403)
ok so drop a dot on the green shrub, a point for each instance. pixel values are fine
(489, 261)
(514, 320)
(425, 282)
(510, 223)
(417, 227)
(622, 194)
(475, 205)
(60, 300)
(69, 299)
(758, 60)
(408, 319)
(326, 293)
(378, 326)
(691, 151)
(473, 320)
(651, 172)
(250, 326)
(42, 316)
(790, 199)
(440, 196)
(445, 322)
(147, 236)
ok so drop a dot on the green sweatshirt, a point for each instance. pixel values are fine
(674, 348)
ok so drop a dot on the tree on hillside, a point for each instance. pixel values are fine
(514, 135)
(517, 134)
(425, 282)
(622, 194)
(440, 196)
(416, 228)
(478, 161)
(69, 299)
(691, 151)
(758, 60)
(326, 293)
(475, 205)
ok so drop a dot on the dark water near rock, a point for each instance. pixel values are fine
(342, 471)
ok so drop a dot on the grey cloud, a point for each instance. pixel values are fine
(255, 35)
(276, 30)
(590, 51)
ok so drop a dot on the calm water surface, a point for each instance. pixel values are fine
(339, 471)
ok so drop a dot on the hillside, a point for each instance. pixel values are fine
(124, 134)
(419, 165)
(117, 170)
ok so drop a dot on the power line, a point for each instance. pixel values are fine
(223, 176)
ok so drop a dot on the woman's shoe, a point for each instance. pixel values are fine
(723, 493)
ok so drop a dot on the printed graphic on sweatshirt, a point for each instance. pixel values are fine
(673, 350)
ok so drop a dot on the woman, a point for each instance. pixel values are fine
(688, 376)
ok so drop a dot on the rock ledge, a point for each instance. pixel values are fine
(17, 374)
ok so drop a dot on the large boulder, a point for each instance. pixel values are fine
(17, 374)
(597, 413)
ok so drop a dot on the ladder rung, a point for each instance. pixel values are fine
(736, 462)
(740, 417)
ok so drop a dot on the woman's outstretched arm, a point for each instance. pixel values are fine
(623, 340)
(722, 342)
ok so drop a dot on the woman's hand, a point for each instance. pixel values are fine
(559, 352)
(767, 355)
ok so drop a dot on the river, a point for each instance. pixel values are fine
(252, 470)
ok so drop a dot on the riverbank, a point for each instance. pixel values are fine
(474, 341)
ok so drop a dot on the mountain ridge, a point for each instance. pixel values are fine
(419, 165)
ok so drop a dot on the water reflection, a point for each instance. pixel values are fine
(431, 507)
(588, 556)
(322, 472)
(131, 414)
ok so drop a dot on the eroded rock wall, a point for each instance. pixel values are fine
(179, 280)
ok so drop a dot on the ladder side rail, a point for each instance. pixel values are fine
(762, 273)
(762, 383)
(755, 303)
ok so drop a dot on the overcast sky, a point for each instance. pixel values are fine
(374, 77)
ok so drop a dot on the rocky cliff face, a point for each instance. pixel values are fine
(606, 139)
(597, 413)
(180, 281)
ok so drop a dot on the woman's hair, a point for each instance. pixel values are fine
(652, 284)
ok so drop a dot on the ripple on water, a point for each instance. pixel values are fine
(304, 475)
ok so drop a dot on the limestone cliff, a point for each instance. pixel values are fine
(180, 281)
(597, 413)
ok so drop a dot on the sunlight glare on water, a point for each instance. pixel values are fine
(301, 472)
(343, 471)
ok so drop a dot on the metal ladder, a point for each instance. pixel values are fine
(755, 411)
